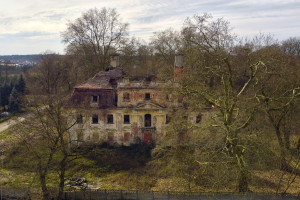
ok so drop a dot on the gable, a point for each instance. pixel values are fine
(149, 105)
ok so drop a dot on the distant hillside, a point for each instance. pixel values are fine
(20, 60)
(30, 58)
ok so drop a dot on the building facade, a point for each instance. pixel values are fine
(111, 108)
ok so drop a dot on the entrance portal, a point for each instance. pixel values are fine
(148, 138)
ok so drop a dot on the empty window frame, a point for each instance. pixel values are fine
(126, 119)
(168, 119)
(169, 97)
(110, 119)
(95, 119)
(147, 96)
(126, 97)
(79, 119)
(94, 98)
(113, 82)
(198, 119)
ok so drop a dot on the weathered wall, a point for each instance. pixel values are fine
(83, 98)
(137, 91)
(118, 132)
(137, 96)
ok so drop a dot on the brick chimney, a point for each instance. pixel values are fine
(114, 60)
(178, 68)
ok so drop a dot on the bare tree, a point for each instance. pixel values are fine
(277, 93)
(211, 76)
(165, 45)
(93, 36)
(45, 136)
(291, 46)
(45, 132)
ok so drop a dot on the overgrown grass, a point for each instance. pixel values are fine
(162, 168)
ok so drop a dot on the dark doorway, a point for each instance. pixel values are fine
(147, 120)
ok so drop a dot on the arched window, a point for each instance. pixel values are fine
(147, 120)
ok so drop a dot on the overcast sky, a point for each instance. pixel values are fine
(34, 26)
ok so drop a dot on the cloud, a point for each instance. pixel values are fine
(29, 43)
(41, 21)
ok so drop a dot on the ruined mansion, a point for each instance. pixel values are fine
(111, 108)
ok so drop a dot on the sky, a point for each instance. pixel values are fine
(35, 26)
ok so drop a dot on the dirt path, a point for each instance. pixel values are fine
(5, 125)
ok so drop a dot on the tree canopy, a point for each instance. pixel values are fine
(95, 35)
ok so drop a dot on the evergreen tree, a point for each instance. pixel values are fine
(0, 97)
(5, 92)
(14, 101)
(21, 85)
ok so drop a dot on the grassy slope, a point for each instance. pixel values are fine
(136, 168)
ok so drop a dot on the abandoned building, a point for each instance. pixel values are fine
(111, 108)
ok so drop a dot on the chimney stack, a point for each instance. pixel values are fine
(178, 68)
(114, 60)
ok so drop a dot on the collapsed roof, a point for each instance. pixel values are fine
(103, 79)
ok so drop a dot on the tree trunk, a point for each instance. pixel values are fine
(286, 133)
(46, 195)
(62, 177)
(237, 151)
(284, 165)
(283, 162)
(243, 176)
(63, 162)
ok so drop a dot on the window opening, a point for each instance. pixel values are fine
(168, 97)
(147, 120)
(126, 119)
(116, 99)
(113, 82)
(168, 119)
(79, 119)
(126, 97)
(95, 119)
(94, 98)
(198, 119)
(110, 119)
(147, 96)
